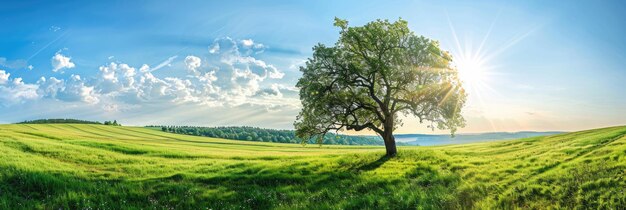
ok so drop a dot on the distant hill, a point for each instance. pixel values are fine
(426, 139)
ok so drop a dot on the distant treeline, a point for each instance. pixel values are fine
(267, 135)
(68, 121)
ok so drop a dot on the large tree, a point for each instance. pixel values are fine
(373, 74)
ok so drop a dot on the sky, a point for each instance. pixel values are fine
(527, 65)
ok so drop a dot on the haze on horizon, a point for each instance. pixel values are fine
(527, 66)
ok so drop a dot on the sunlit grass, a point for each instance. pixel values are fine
(107, 167)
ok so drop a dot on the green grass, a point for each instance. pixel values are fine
(74, 166)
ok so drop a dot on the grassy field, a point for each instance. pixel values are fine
(73, 166)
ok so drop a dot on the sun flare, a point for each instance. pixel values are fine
(471, 70)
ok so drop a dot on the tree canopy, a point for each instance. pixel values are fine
(373, 74)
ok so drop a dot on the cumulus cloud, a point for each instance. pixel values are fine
(115, 77)
(182, 90)
(60, 62)
(273, 90)
(73, 90)
(76, 89)
(4, 77)
(275, 74)
(193, 63)
(14, 91)
(214, 48)
(240, 75)
(247, 42)
(252, 47)
(111, 107)
(229, 75)
(49, 88)
(123, 82)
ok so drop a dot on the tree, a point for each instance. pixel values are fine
(373, 74)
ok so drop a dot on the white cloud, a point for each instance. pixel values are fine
(247, 42)
(115, 77)
(287, 88)
(149, 88)
(60, 62)
(72, 90)
(252, 47)
(15, 91)
(259, 46)
(119, 82)
(238, 61)
(193, 63)
(240, 76)
(214, 49)
(274, 90)
(50, 87)
(86, 93)
(229, 76)
(144, 68)
(4, 77)
(111, 107)
(182, 90)
(275, 74)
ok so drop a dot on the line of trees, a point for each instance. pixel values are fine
(114, 123)
(68, 121)
(247, 133)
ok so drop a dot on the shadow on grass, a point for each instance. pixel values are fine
(245, 186)
(374, 165)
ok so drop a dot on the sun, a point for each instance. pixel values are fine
(471, 69)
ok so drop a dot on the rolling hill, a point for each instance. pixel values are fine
(76, 166)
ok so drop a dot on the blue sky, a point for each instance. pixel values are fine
(535, 65)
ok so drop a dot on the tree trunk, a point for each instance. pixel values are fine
(390, 142)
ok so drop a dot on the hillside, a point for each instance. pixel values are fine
(72, 166)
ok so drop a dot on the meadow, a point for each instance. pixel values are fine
(80, 166)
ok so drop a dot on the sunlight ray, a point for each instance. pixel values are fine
(454, 35)
(445, 97)
(510, 43)
(482, 43)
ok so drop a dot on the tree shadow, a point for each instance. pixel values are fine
(374, 165)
